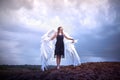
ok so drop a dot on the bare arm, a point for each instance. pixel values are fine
(69, 38)
(54, 36)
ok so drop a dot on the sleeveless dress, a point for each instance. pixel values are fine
(59, 46)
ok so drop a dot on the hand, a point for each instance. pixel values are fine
(73, 41)
(47, 39)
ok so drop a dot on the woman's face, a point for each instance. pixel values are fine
(61, 29)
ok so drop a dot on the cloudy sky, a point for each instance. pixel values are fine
(95, 23)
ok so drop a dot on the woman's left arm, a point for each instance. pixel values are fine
(69, 38)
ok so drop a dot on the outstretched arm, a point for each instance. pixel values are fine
(69, 38)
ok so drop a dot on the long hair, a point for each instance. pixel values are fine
(59, 30)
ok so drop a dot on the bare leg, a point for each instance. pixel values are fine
(58, 60)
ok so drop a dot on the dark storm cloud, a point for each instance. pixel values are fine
(15, 38)
(105, 42)
(15, 4)
(8, 16)
(15, 47)
(112, 31)
(115, 8)
(115, 5)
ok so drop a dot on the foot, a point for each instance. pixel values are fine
(58, 67)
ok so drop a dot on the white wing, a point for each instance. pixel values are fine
(46, 49)
(71, 51)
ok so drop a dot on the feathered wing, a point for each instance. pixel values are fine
(47, 51)
(71, 51)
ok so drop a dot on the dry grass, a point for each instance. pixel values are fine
(86, 71)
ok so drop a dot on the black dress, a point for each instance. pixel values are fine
(59, 46)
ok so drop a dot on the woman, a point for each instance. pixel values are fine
(59, 46)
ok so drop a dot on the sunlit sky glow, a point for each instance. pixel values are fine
(95, 23)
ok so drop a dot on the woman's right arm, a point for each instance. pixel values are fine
(54, 36)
